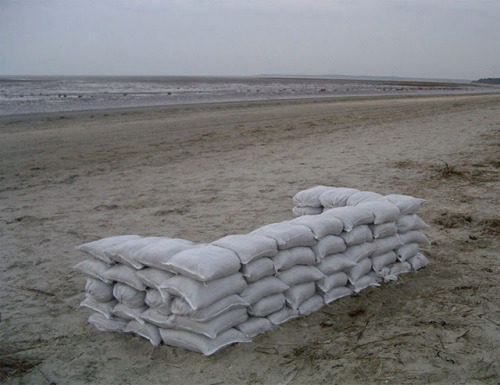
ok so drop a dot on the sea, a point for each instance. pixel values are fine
(26, 95)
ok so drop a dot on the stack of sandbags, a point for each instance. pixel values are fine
(409, 231)
(263, 290)
(329, 260)
(295, 272)
(203, 297)
(384, 229)
(164, 289)
(206, 305)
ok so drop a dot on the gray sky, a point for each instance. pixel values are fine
(411, 38)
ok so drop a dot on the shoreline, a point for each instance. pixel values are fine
(110, 112)
(74, 94)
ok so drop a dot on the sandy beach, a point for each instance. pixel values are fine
(200, 172)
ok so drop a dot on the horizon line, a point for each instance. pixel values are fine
(283, 75)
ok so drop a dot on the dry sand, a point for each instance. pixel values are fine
(201, 172)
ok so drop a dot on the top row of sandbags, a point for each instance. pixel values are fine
(316, 200)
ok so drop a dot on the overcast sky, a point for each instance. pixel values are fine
(412, 38)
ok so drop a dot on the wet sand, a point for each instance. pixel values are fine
(200, 172)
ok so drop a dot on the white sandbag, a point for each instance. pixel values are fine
(93, 268)
(364, 266)
(392, 272)
(123, 252)
(331, 244)
(407, 251)
(362, 196)
(364, 282)
(267, 305)
(260, 268)
(377, 277)
(97, 248)
(384, 230)
(262, 288)
(103, 324)
(351, 216)
(414, 236)
(384, 245)
(358, 252)
(287, 235)
(212, 328)
(332, 281)
(129, 313)
(104, 308)
(300, 274)
(299, 211)
(156, 318)
(400, 268)
(410, 222)
(155, 300)
(98, 290)
(156, 254)
(199, 294)
(286, 259)
(335, 263)
(128, 295)
(297, 294)
(418, 261)
(320, 225)
(284, 315)
(152, 277)
(382, 210)
(254, 326)
(310, 196)
(199, 343)
(124, 274)
(336, 196)
(145, 330)
(359, 234)
(214, 310)
(311, 305)
(336, 293)
(248, 247)
(406, 204)
(206, 263)
(383, 260)
(385, 272)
